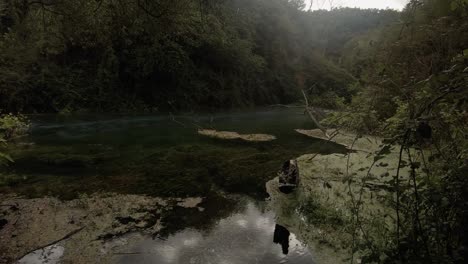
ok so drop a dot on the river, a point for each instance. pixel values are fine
(163, 156)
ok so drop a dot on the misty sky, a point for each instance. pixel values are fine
(382, 4)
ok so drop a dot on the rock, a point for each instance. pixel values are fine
(383, 164)
(142, 224)
(288, 176)
(190, 202)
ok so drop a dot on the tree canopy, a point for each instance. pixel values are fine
(113, 55)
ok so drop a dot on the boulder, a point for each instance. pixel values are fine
(288, 176)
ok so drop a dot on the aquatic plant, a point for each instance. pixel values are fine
(11, 126)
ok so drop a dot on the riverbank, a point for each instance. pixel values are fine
(63, 173)
(343, 200)
(80, 230)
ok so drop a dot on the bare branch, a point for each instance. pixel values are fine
(312, 116)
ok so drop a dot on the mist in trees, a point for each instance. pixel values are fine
(401, 76)
(110, 55)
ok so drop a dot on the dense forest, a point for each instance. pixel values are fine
(399, 75)
(413, 78)
(60, 56)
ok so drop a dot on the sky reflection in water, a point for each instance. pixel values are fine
(245, 237)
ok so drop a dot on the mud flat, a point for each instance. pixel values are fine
(84, 230)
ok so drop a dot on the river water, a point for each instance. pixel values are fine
(162, 155)
(249, 235)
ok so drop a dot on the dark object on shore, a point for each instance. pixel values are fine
(281, 236)
(289, 176)
(424, 133)
(424, 130)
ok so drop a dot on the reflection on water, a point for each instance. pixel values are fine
(281, 236)
(50, 255)
(244, 237)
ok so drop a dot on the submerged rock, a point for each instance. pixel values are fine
(234, 135)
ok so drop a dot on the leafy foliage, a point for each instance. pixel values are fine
(399, 75)
(413, 80)
(107, 55)
(11, 126)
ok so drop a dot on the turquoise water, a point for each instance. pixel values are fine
(160, 155)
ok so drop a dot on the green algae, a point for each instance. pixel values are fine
(183, 170)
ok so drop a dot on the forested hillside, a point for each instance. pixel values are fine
(414, 92)
(409, 62)
(399, 78)
(110, 55)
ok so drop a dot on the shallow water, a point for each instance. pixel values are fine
(162, 155)
(247, 236)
